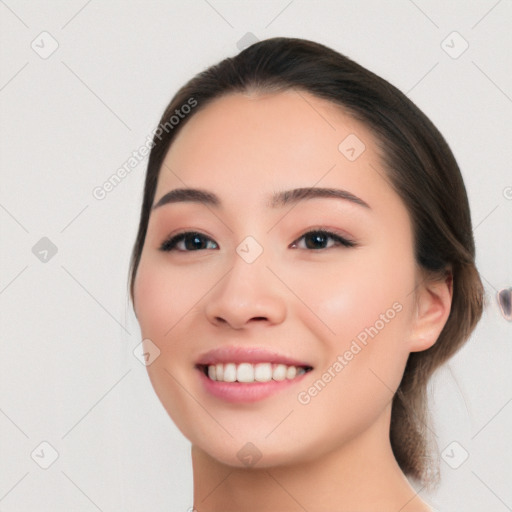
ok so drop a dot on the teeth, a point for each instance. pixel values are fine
(247, 372)
(291, 372)
(229, 372)
(279, 372)
(263, 372)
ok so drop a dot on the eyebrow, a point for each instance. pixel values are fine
(278, 200)
(193, 195)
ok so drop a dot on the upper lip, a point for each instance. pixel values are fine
(247, 355)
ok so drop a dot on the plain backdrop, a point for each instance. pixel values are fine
(82, 86)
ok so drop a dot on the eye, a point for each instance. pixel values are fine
(321, 239)
(188, 241)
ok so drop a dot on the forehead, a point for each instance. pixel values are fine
(251, 143)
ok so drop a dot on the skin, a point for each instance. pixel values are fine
(334, 452)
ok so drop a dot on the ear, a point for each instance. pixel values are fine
(433, 305)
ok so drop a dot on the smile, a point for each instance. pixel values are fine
(250, 373)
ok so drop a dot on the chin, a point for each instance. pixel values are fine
(259, 453)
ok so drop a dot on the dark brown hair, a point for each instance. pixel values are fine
(419, 165)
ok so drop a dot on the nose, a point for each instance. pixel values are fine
(248, 295)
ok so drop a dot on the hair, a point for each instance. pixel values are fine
(419, 166)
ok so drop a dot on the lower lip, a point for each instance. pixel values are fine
(242, 392)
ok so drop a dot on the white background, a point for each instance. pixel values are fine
(69, 121)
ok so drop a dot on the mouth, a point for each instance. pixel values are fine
(244, 374)
(249, 373)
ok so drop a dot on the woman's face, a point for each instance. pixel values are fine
(259, 291)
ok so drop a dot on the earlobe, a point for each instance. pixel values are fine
(433, 305)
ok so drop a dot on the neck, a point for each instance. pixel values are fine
(361, 475)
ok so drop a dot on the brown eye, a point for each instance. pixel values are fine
(321, 239)
(188, 241)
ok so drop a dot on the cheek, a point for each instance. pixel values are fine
(162, 296)
(161, 301)
(351, 292)
(363, 308)
(151, 300)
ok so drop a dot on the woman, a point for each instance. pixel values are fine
(304, 262)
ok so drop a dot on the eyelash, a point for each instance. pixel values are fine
(171, 243)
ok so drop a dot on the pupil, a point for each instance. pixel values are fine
(194, 242)
(317, 239)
